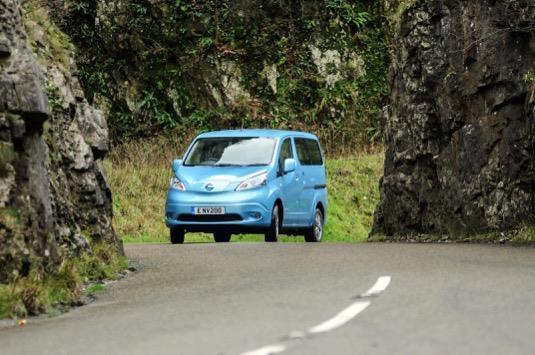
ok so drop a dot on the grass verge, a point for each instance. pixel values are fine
(75, 279)
(519, 236)
(138, 174)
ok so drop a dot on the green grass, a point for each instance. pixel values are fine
(525, 234)
(138, 175)
(35, 294)
(93, 289)
(353, 195)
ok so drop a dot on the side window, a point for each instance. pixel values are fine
(286, 152)
(315, 152)
(308, 151)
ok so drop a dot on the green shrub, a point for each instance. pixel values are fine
(176, 45)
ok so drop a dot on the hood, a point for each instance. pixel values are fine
(196, 178)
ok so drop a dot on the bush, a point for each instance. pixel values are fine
(170, 55)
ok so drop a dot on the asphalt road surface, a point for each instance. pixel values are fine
(302, 299)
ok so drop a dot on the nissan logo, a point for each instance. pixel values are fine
(209, 187)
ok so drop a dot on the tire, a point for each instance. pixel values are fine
(177, 235)
(222, 237)
(315, 233)
(272, 235)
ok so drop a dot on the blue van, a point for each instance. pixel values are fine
(249, 181)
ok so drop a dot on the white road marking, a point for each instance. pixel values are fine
(267, 350)
(335, 322)
(352, 311)
(341, 318)
(381, 285)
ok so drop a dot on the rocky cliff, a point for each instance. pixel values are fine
(196, 65)
(53, 194)
(459, 130)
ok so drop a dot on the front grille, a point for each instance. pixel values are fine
(210, 218)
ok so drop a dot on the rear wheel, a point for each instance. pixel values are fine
(222, 237)
(177, 235)
(315, 233)
(272, 235)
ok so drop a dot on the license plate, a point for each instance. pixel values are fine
(208, 210)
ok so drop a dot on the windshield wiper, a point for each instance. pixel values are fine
(225, 165)
(239, 165)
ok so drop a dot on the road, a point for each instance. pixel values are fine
(238, 298)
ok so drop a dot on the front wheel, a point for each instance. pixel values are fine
(177, 235)
(315, 233)
(222, 237)
(272, 235)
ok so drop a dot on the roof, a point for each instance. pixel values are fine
(271, 133)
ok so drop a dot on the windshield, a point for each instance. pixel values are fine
(231, 151)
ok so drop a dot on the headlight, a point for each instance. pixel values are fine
(175, 183)
(252, 182)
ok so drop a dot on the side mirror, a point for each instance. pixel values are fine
(289, 165)
(176, 164)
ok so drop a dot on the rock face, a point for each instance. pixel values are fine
(459, 129)
(53, 195)
(213, 65)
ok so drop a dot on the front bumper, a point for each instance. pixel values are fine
(245, 211)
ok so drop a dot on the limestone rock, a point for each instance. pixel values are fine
(459, 129)
(53, 194)
(334, 66)
(229, 74)
(271, 74)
